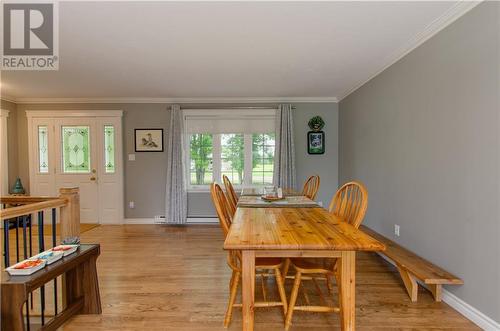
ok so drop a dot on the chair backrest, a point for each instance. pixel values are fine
(311, 187)
(350, 203)
(221, 207)
(231, 194)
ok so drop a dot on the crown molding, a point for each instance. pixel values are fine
(447, 18)
(73, 113)
(175, 100)
(8, 98)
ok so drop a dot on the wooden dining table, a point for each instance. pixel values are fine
(297, 232)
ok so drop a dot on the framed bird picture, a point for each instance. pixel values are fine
(148, 140)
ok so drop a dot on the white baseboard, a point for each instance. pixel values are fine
(138, 221)
(480, 319)
(474, 315)
(190, 220)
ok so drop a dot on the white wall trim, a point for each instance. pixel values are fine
(190, 220)
(4, 151)
(448, 17)
(73, 113)
(474, 315)
(174, 100)
(127, 221)
(8, 98)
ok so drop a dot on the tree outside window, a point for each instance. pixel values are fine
(201, 152)
(263, 158)
(233, 157)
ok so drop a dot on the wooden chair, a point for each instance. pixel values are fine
(232, 198)
(311, 187)
(265, 265)
(350, 203)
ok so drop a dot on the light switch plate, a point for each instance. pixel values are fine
(131, 157)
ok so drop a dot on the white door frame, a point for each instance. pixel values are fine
(4, 152)
(43, 114)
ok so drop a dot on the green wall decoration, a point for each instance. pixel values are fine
(316, 123)
(316, 137)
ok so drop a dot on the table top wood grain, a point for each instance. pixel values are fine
(258, 191)
(295, 229)
(250, 201)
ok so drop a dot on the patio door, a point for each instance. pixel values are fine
(79, 151)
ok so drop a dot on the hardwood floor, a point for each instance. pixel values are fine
(175, 278)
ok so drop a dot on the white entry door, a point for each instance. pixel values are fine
(79, 151)
(76, 162)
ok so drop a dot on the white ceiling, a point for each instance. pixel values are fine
(262, 50)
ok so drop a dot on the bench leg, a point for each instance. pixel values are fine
(13, 299)
(410, 283)
(436, 290)
(82, 282)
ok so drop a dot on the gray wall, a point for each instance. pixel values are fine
(424, 137)
(145, 177)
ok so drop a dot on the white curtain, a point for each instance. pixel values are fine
(176, 194)
(284, 158)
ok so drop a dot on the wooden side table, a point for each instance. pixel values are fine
(80, 283)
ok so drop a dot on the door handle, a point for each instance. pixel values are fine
(93, 178)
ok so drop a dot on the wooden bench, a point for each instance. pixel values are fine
(81, 289)
(412, 268)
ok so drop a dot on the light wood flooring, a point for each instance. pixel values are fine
(175, 278)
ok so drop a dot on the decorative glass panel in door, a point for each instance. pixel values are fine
(109, 149)
(43, 149)
(76, 149)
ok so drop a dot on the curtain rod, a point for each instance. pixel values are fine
(211, 107)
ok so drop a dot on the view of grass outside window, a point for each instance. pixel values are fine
(201, 161)
(233, 157)
(262, 158)
(215, 155)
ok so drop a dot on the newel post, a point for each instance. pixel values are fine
(69, 220)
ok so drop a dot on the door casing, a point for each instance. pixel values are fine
(110, 186)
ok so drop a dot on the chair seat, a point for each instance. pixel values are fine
(312, 266)
(268, 262)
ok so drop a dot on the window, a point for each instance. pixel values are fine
(109, 149)
(75, 149)
(233, 157)
(43, 150)
(262, 158)
(201, 159)
(244, 158)
(237, 143)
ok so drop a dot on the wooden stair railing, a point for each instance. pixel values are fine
(68, 202)
(22, 214)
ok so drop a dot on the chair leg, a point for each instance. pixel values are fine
(231, 281)
(281, 289)
(329, 284)
(286, 266)
(232, 297)
(293, 299)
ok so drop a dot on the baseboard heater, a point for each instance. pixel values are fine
(160, 219)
